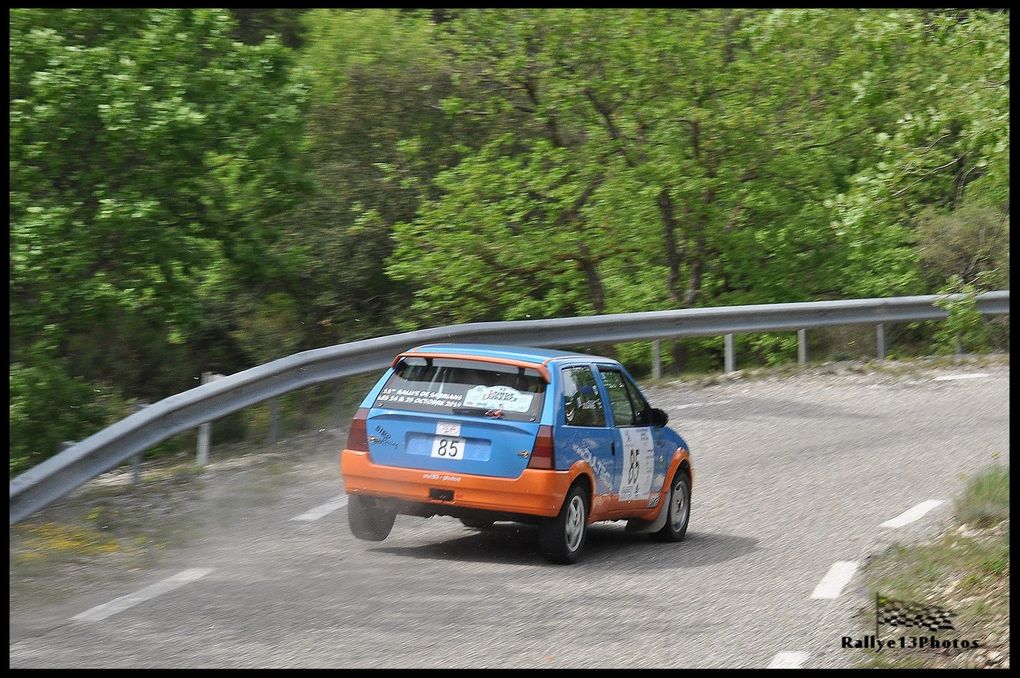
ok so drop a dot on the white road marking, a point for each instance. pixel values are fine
(912, 514)
(714, 402)
(101, 612)
(788, 660)
(838, 576)
(324, 510)
(954, 377)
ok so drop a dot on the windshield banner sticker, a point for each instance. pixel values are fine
(418, 397)
(498, 398)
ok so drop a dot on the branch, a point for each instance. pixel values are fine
(607, 115)
(928, 174)
(830, 143)
(550, 120)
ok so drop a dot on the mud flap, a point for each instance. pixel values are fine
(636, 525)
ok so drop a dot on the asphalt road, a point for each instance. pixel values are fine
(793, 475)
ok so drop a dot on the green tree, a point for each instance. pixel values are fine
(644, 171)
(940, 86)
(664, 159)
(149, 154)
(374, 136)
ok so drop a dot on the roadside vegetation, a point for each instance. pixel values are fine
(201, 190)
(965, 570)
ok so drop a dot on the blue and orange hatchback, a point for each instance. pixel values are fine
(486, 433)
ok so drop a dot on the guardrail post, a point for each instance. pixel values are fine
(338, 404)
(274, 420)
(959, 350)
(202, 454)
(204, 433)
(730, 360)
(136, 461)
(880, 340)
(657, 359)
(205, 430)
(801, 347)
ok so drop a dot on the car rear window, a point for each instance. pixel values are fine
(464, 387)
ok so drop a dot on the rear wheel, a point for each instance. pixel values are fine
(562, 538)
(477, 523)
(369, 518)
(679, 507)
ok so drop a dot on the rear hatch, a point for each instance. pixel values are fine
(457, 416)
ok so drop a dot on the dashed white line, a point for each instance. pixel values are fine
(713, 402)
(105, 610)
(912, 514)
(324, 510)
(954, 377)
(838, 576)
(788, 660)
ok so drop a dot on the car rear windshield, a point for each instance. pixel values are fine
(467, 387)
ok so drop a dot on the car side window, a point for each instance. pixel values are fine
(626, 411)
(641, 405)
(582, 404)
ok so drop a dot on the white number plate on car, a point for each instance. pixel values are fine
(444, 447)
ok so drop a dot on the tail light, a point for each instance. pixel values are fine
(357, 436)
(542, 453)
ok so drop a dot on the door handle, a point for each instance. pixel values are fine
(612, 448)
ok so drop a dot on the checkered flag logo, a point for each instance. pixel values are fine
(903, 614)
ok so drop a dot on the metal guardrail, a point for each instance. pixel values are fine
(76, 465)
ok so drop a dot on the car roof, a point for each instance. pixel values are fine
(523, 353)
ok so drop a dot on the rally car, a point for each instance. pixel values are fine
(486, 433)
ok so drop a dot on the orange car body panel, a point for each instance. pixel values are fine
(537, 492)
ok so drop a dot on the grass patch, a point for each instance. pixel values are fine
(63, 541)
(986, 500)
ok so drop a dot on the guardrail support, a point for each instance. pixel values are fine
(274, 420)
(204, 434)
(339, 404)
(730, 360)
(657, 359)
(136, 461)
(880, 340)
(801, 347)
(205, 430)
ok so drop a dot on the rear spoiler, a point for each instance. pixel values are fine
(538, 367)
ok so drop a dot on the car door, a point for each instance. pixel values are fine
(584, 433)
(640, 468)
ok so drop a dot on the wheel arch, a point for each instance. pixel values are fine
(582, 475)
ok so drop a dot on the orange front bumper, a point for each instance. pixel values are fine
(535, 492)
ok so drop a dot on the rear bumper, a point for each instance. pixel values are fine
(535, 492)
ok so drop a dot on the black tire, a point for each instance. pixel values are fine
(561, 539)
(477, 523)
(679, 515)
(369, 518)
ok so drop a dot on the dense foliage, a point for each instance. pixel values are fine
(209, 189)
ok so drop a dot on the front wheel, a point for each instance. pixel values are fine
(562, 538)
(369, 518)
(679, 507)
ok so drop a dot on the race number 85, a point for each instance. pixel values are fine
(448, 448)
(633, 466)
